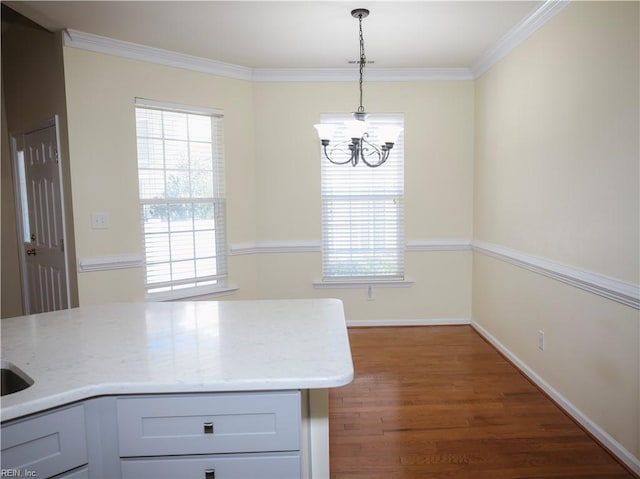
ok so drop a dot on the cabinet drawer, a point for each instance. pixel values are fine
(45, 445)
(236, 466)
(209, 424)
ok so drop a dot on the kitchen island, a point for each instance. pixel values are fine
(176, 366)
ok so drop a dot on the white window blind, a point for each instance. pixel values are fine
(182, 199)
(362, 210)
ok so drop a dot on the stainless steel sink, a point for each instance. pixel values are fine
(12, 378)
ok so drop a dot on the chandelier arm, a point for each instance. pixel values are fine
(380, 153)
(383, 155)
(336, 162)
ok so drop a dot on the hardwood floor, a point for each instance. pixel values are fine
(440, 402)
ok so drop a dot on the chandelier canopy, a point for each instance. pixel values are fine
(358, 148)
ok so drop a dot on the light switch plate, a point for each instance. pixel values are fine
(99, 221)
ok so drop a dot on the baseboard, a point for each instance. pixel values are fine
(607, 441)
(408, 322)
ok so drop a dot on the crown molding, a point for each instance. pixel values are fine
(522, 31)
(351, 74)
(99, 44)
(613, 289)
(110, 46)
(304, 74)
(518, 34)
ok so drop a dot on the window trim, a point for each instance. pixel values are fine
(195, 292)
(166, 106)
(222, 288)
(360, 284)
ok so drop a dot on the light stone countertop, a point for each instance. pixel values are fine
(180, 347)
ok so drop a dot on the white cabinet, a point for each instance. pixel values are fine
(46, 444)
(199, 436)
(221, 436)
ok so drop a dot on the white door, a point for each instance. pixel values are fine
(42, 229)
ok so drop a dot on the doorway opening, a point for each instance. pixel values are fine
(41, 221)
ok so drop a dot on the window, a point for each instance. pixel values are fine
(182, 199)
(362, 211)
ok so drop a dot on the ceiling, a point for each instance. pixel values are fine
(296, 34)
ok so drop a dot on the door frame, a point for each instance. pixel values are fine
(14, 136)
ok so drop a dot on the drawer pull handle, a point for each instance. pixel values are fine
(210, 474)
(208, 429)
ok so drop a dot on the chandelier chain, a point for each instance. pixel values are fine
(363, 61)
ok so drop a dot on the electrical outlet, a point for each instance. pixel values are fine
(370, 293)
(541, 340)
(99, 221)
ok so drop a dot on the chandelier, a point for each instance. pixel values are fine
(359, 148)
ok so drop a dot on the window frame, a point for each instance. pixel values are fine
(216, 283)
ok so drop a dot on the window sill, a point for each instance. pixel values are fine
(404, 283)
(191, 294)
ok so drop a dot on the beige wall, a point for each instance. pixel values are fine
(438, 177)
(556, 176)
(273, 182)
(438, 153)
(101, 91)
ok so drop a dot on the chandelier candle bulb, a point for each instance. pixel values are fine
(355, 129)
(325, 130)
(389, 134)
